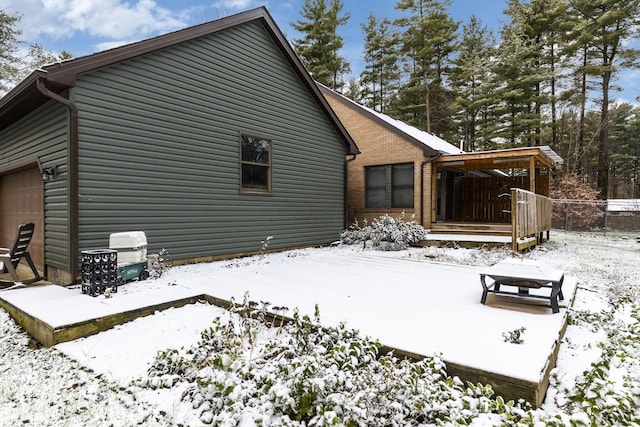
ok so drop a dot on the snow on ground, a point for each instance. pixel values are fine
(87, 381)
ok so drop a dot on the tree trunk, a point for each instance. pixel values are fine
(603, 139)
(427, 107)
(583, 106)
(554, 119)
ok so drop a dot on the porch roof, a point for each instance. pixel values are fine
(511, 158)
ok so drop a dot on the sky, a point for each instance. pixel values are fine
(82, 27)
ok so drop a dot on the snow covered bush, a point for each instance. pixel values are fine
(515, 336)
(159, 264)
(608, 393)
(385, 233)
(250, 371)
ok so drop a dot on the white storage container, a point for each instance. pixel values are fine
(131, 246)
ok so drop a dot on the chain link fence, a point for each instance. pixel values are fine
(594, 215)
(579, 215)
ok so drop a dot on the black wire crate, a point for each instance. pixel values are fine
(99, 271)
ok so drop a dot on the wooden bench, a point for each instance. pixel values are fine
(524, 275)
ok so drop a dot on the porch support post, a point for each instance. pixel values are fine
(434, 192)
(548, 182)
(532, 174)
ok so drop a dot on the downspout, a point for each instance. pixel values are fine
(72, 172)
(422, 164)
(346, 190)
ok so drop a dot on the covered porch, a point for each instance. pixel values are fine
(499, 196)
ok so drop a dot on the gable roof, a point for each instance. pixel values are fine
(58, 77)
(431, 144)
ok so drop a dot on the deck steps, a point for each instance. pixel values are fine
(473, 232)
(477, 229)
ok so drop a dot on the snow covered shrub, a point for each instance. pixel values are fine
(515, 336)
(247, 372)
(608, 393)
(160, 264)
(385, 233)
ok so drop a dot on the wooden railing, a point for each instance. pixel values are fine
(530, 217)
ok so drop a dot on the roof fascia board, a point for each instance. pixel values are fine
(536, 152)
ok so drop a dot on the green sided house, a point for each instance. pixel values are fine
(208, 139)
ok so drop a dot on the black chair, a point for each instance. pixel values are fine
(10, 258)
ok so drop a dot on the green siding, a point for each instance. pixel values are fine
(159, 149)
(43, 134)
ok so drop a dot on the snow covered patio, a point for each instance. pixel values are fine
(408, 303)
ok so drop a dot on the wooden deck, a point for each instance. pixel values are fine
(36, 309)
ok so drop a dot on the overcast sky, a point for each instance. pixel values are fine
(82, 27)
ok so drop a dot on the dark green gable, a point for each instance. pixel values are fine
(159, 149)
(147, 137)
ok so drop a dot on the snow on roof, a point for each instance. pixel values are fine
(623, 205)
(426, 138)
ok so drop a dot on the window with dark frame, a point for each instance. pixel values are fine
(389, 186)
(255, 164)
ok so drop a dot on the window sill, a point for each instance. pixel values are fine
(256, 192)
(394, 210)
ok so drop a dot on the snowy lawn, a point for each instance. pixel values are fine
(605, 266)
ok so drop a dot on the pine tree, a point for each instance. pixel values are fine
(470, 80)
(604, 29)
(625, 150)
(515, 75)
(524, 68)
(353, 90)
(545, 25)
(381, 74)
(320, 47)
(429, 41)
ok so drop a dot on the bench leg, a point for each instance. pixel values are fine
(483, 300)
(555, 292)
(485, 290)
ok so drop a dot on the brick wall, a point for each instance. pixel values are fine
(380, 146)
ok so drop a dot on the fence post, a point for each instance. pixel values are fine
(514, 220)
(606, 215)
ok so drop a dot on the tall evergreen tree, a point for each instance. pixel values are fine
(545, 26)
(625, 150)
(604, 28)
(516, 77)
(320, 46)
(524, 68)
(470, 80)
(429, 42)
(381, 74)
